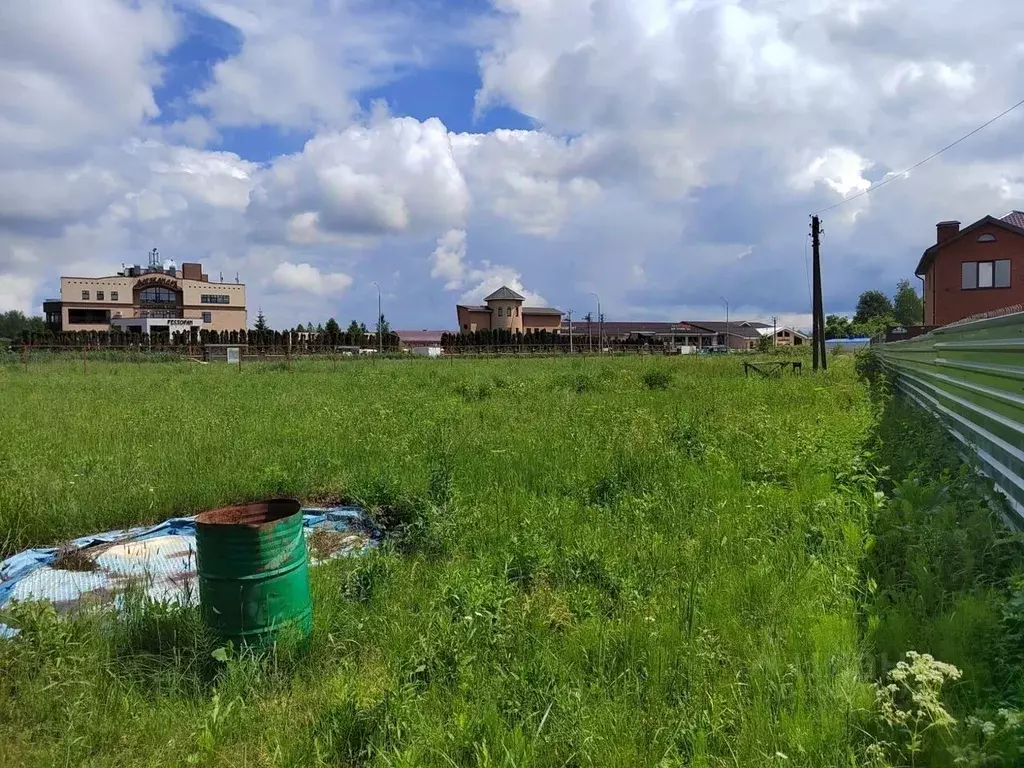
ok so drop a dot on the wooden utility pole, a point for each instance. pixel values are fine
(775, 330)
(818, 334)
(570, 331)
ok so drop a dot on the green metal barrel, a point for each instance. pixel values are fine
(253, 571)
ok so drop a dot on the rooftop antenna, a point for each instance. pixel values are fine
(236, 277)
(154, 257)
(222, 277)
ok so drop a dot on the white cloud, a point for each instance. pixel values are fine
(528, 177)
(73, 73)
(679, 147)
(491, 278)
(16, 293)
(303, 62)
(393, 175)
(308, 279)
(839, 168)
(449, 264)
(447, 258)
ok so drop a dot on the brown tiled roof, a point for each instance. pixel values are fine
(504, 294)
(541, 311)
(473, 307)
(1016, 218)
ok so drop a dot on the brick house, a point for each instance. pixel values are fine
(504, 310)
(979, 268)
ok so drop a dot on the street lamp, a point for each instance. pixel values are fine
(600, 325)
(380, 328)
(727, 328)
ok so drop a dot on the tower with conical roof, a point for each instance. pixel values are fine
(506, 309)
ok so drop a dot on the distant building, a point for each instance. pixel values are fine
(784, 337)
(504, 310)
(700, 334)
(155, 298)
(417, 339)
(973, 270)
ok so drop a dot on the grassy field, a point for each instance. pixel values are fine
(601, 562)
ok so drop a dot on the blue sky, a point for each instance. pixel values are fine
(660, 154)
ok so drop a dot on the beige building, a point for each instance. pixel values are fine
(156, 298)
(504, 310)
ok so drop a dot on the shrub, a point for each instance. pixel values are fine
(657, 378)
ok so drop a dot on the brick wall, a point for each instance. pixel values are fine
(945, 300)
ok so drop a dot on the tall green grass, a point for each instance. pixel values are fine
(944, 575)
(593, 562)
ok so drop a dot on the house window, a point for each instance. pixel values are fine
(1003, 273)
(85, 295)
(207, 317)
(465, 326)
(499, 311)
(113, 296)
(214, 298)
(517, 311)
(985, 274)
(987, 238)
(99, 295)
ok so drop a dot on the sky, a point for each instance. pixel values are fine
(664, 155)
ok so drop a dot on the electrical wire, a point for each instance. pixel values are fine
(915, 166)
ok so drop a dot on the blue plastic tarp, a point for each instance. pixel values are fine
(160, 559)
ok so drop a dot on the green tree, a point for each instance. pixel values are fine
(300, 328)
(872, 327)
(837, 327)
(332, 327)
(355, 329)
(872, 305)
(261, 322)
(383, 327)
(363, 329)
(14, 323)
(908, 308)
(765, 343)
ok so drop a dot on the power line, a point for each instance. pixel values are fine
(915, 166)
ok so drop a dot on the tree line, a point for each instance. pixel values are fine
(254, 339)
(876, 312)
(14, 324)
(20, 329)
(355, 328)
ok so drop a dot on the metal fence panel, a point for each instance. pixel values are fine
(971, 375)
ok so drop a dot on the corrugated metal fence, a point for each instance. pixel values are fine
(971, 375)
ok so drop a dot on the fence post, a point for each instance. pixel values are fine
(85, 347)
(24, 357)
